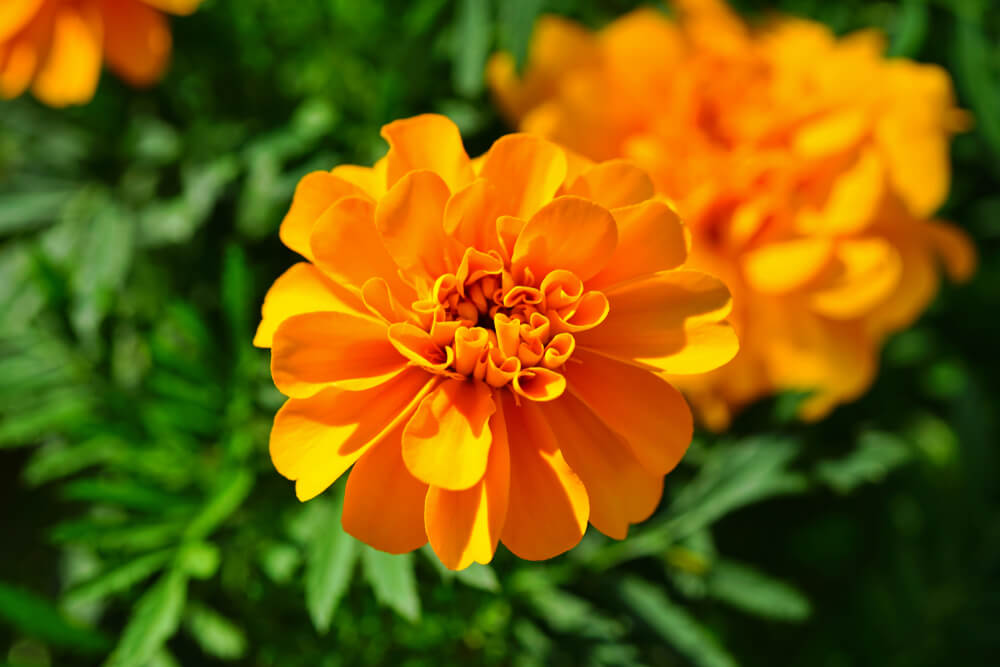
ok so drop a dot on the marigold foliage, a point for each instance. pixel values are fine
(56, 47)
(471, 335)
(807, 167)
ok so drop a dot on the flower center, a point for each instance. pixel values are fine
(481, 323)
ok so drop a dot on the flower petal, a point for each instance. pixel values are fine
(348, 248)
(180, 7)
(15, 14)
(315, 193)
(526, 170)
(777, 268)
(470, 218)
(409, 220)
(136, 41)
(569, 233)
(955, 249)
(621, 491)
(21, 56)
(316, 350)
(430, 142)
(70, 70)
(370, 179)
(548, 507)
(613, 184)
(301, 289)
(384, 503)
(657, 429)
(464, 526)
(315, 440)
(447, 442)
(651, 238)
(868, 270)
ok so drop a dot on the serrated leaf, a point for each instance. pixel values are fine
(756, 593)
(332, 554)
(36, 617)
(392, 579)
(877, 454)
(215, 634)
(674, 624)
(155, 619)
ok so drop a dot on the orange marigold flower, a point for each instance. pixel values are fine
(56, 46)
(481, 340)
(807, 168)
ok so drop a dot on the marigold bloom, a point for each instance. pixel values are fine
(481, 340)
(56, 46)
(807, 168)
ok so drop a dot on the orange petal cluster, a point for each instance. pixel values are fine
(807, 168)
(484, 342)
(56, 47)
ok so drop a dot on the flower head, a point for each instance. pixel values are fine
(483, 341)
(806, 167)
(56, 46)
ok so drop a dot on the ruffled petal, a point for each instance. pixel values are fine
(301, 289)
(315, 193)
(410, 221)
(651, 238)
(315, 440)
(548, 508)
(428, 142)
(526, 170)
(569, 233)
(621, 491)
(317, 350)
(383, 502)
(447, 442)
(657, 429)
(70, 71)
(464, 526)
(136, 41)
(613, 184)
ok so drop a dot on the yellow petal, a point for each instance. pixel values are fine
(620, 490)
(315, 440)
(464, 526)
(835, 132)
(301, 289)
(447, 442)
(383, 502)
(470, 217)
(315, 193)
(136, 41)
(410, 221)
(650, 239)
(917, 157)
(70, 70)
(868, 270)
(657, 429)
(526, 170)
(613, 184)
(15, 14)
(428, 142)
(955, 249)
(175, 6)
(371, 180)
(782, 267)
(569, 233)
(316, 350)
(548, 507)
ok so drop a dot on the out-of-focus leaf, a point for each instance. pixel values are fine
(517, 20)
(20, 211)
(478, 575)
(155, 619)
(674, 624)
(37, 617)
(756, 593)
(237, 293)
(471, 45)
(217, 636)
(331, 556)
(176, 220)
(877, 454)
(972, 59)
(563, 611)
(199, 560)
(391, 577)
(120, 578)
(59, 460)
(123, 492)
(229, 495)
(911, 29)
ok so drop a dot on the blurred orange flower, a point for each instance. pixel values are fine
(481, 340)
(56, 46)
(807, 168)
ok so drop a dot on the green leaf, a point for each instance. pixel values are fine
(35, 616)
(471, 46)
(20, 211)
(155, 619)
(229, 495)
(237, 294)
(120, 578)
(756, 593)
(877, 454)
(391, 577)
(911, 30)
(123, 492)
(480, 576)
(973, 56)
(569, 614)
(517, 21)
(331, 556)
(199, 560)
(674, 624)
(217, 636)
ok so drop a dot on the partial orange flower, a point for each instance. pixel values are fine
(56, 47)
(484, 341)
(807, 168)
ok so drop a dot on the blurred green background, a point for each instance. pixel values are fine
(143, 524)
